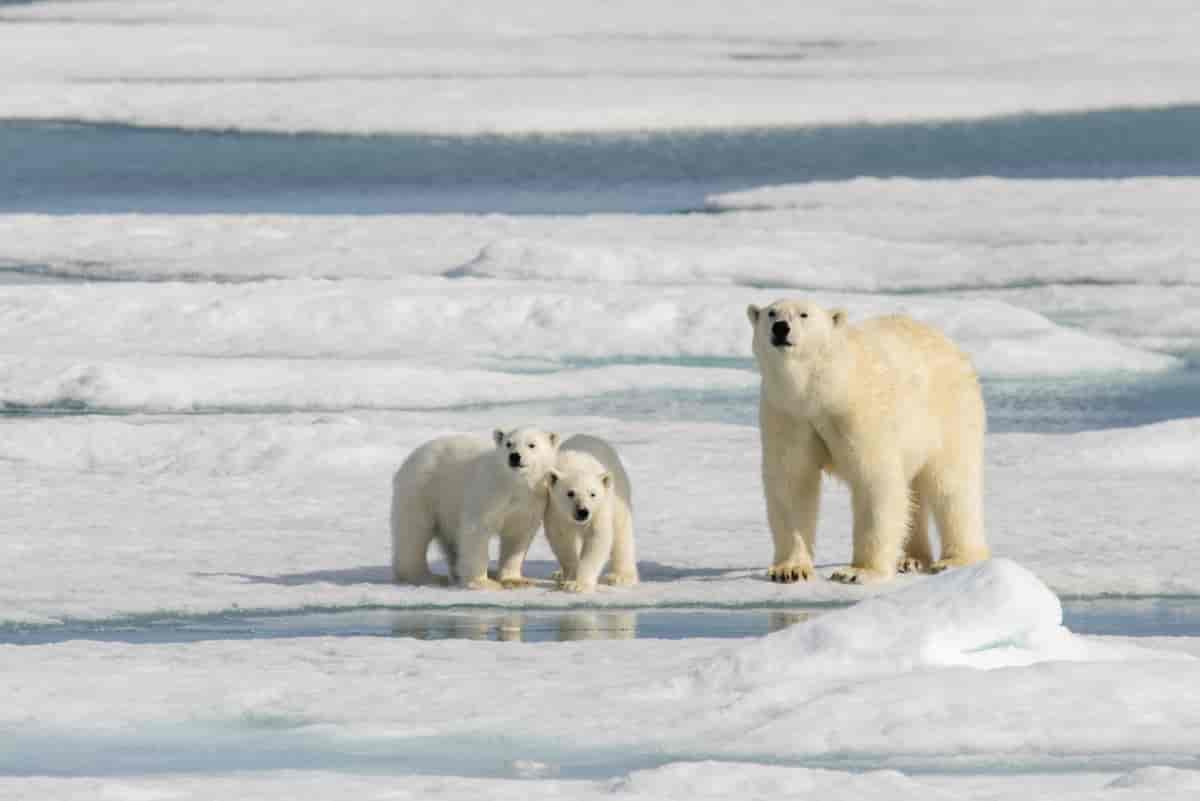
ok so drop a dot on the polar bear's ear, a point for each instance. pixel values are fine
(752, 313)
(553, 439)
(606, 480)
(838, 316)
(552, 476)
(498, 435)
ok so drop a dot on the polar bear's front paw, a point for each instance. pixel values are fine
(911, 564)
(515, 582)
(576, 586)
(942, 565)
(789, 572)
(482, 583)
(621, 579)
(857, 575)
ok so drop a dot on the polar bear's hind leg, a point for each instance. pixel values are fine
(918, 553)
(413, 528)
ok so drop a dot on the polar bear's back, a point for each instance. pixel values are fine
(933, 377)
(580, 447)
(903, 341)
(439, 471)
(917, 351)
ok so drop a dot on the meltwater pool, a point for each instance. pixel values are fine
(1102, 616)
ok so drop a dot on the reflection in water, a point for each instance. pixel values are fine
(517, 626)
(597, 625)
(1179, 617)
(782, 618)
(588, 624)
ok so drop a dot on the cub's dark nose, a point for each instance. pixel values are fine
(581, 515)
(779, 333)
(514, 460)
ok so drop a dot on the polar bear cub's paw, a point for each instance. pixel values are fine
(621, 579)
(576, 586)
(858, 575)
(790, 572)
(515, 582)
(483, 583)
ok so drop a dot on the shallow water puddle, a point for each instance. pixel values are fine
(1136, 618)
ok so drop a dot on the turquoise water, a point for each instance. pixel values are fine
(1031, 405)
(1176, 617)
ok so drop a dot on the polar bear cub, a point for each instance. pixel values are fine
(460, 491)
(589, 520)
(890, 406)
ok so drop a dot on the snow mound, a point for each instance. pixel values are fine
(989, 615)
(953, 618)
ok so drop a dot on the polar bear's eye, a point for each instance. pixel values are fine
(570, 493)
(508, 444)
(804, 315)
(592, 494)
(532, 445)
(771, 314)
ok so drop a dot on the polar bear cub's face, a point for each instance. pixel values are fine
(792, 328)
(528, 452)
(577, 492)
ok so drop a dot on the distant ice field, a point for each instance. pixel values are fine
(393, 66)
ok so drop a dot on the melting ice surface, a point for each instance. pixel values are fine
(216, 345)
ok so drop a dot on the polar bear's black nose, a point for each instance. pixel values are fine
(581, 515)
(514, 460)
(780, 329)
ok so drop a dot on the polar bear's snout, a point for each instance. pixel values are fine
(581, 514)
(514, 459)
(779, 334)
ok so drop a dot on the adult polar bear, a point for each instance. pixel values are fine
(460, 490)
(891, 407)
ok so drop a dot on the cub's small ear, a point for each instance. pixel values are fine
(838, 316)
(498, 435)
(752, 313)
(554, 439)
(552, 476)
(606, 480)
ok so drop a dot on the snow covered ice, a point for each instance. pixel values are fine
(226, 316)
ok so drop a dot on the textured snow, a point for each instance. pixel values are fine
(864, 235)
(161, 514)
(463, 68)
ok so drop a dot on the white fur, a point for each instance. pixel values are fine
(589, 476)
(891, 407)
(462, 490)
